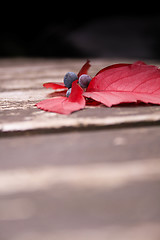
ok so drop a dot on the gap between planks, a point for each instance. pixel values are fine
(69, 124)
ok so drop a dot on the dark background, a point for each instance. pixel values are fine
(74, 31)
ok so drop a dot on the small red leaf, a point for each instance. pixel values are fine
(126, 83)
(65, 105)
(55, 85)
(84, 69)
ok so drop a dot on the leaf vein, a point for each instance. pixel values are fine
(150, 79)
(129, 75)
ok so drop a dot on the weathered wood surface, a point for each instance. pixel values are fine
(21, 87)
(99, 183)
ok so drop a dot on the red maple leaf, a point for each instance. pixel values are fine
(115, 84)
(126, 83)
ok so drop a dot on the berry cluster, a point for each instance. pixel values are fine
(70, 77)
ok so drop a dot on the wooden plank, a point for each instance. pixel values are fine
(100, 184)
(74, 184)
(34, 120)
(21, 87)
(79, 147)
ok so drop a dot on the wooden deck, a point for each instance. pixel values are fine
(94, 174)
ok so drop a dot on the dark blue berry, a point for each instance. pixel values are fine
(84, 80)
(69, 78)
(68, 92)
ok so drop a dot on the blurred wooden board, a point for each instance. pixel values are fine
(94, 174)
(85, 185)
